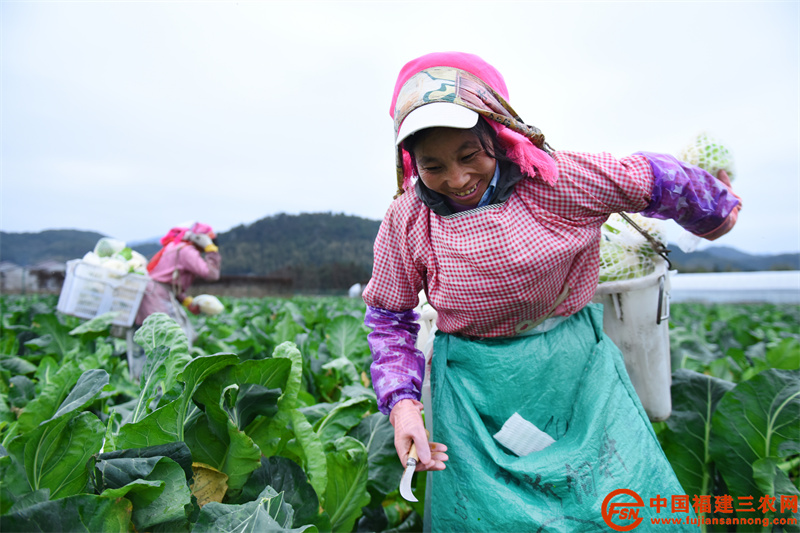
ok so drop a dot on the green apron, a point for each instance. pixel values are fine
(571, 383)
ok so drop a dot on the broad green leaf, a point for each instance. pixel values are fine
(234, 453)
(159, 329)
(345, 366)
(771, 480)
(13, 482)
(267, 513)
(102, 357)
(159, 427)
(82, 512)
(46, 371)
(687, 439)
(119, 468)
(315, 413)
(288, 350)
(56, 453)
(59, 342)
(286, 330)
(345, 337)
(242, 457)
(16, 365)
(347, 492)
(197, 371)
(265, 373)
(98, 324)
(377, 435)
(785, 355)
(357, 390)
(269, 373)
(21, 390)
(265, 432)
(341, 419)
(152, 382)
(9, 344)
(167, 351)
(166, 424)
(5, 414)
(207, 447)
(759, 418)
(287, 477)
(145, 491)
(253, 401)
(50, 399)
(32, 498)
(315, 464)
(170, 505)
(295, 312)
(85, 390)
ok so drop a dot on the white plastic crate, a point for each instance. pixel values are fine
(90, 290)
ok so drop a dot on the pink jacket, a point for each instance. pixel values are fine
(179, 265)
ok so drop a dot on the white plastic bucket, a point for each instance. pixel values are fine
(636, 317)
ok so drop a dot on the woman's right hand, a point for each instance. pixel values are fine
(406, 418)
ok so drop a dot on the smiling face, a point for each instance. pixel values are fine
(453, 163)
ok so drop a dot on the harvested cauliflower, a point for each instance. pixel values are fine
(208, 304)
(709, 154)
(137, 262)
(117, 267)
(107, 247)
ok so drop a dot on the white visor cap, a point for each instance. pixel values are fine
(437, 115)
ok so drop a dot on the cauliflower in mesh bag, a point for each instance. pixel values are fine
(624, 252)
(708, 153)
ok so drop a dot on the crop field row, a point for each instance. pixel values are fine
(269, 421)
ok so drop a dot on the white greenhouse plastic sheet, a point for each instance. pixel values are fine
(737, 287)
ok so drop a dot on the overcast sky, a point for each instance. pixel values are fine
(127, 118)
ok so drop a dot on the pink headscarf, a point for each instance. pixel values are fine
(176, 235)
(519, 149)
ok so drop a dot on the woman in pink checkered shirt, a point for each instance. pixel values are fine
(503, 234)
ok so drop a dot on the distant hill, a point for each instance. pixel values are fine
(27, 249)
(321, 251)
(317, 251)
(726, 259)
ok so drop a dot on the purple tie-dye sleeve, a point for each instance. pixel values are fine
(695, 199)
(397, 366)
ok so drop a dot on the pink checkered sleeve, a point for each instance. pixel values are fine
(595, 185)
(397, 366)
(397, 276)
